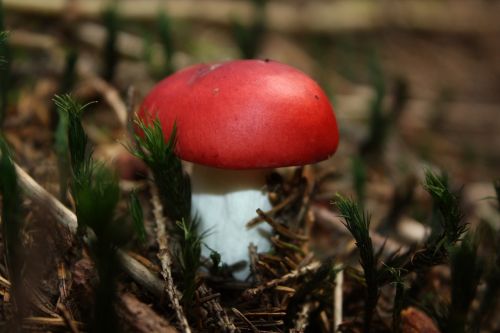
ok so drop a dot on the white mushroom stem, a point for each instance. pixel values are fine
(224, 201)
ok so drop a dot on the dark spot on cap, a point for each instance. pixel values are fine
(267, 60)
(316, 96)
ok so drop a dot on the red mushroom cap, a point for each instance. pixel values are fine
(245, 114)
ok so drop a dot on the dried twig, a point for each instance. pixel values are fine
(254, 258)
(214, 308)
(279, 228)
(66, 315)
(62, 278)
(280, 244)
(303, 318)
(313, 267)
(266, 314)
(131, 103)
(68, 318)
(308, 183)
(166, 260)
(256, 220)
(337, 300)
(40, 300)
(267, 267)
(4, 282)
(245, 319)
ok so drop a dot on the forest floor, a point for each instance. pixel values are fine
(432, 96)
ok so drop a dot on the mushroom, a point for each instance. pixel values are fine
(237, 121)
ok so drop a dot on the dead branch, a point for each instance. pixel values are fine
(39, 195)
(166, 260)
(141, 317)
(63, 215)
(47, 321)
(140, 274)
(458, 16)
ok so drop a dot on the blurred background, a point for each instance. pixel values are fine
(414, 84)
(432, 67)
